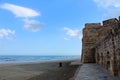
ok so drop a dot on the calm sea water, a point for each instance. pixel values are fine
(26, 58)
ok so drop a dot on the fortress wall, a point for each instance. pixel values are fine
(101, 44)
(88, 41)
(116, 36)
(108, 51)
(92, 34)
(104, 53)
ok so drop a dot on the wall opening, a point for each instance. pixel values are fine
(108, 60)
(117, 62)
(101, 59)
(97, 58)
(108, 65)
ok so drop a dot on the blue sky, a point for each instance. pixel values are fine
(49, 27)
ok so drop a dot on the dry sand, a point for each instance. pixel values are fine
(37, 71)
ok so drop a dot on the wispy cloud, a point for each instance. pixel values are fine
(26, 14)
(66, 39)
(72, 33)
(108, 3)
(32, 25)
(112, 13)
(6, 33)
(20, 11)
(112, 7)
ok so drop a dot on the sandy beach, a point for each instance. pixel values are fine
(38, 71)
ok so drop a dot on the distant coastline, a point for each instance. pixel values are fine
(7, 59)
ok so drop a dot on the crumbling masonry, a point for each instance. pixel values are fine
(101, 45)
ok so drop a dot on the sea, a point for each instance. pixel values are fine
(4, 59)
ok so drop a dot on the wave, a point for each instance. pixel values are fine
(26, 58)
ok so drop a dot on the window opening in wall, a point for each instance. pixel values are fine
(101, 58)
(108, 65)
(98, 58)
(108, 55)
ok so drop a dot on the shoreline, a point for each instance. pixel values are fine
(34, 62)
(37, 70)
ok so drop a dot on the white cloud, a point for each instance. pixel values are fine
(66, 39)
(6, 33)
(26, 14)
(73, 33)
(112, 13)
(111, 7)
(32, 25)
(108, 3)
(20, 11)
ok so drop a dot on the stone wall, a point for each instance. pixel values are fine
(88, 41)
(101, 44)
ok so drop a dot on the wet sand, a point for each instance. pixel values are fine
(38, 71)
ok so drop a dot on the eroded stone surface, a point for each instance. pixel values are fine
(101, 45)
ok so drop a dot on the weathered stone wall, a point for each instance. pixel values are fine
(117, 49)
(107, 52)
(101, 44)
(88, 41)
